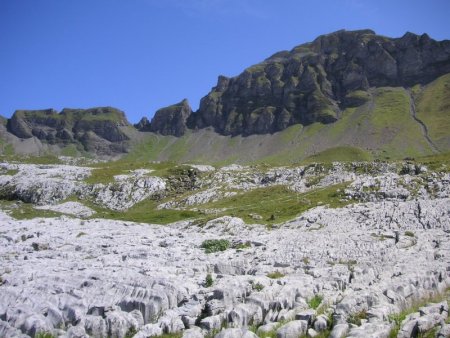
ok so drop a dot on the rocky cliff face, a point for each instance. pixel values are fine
(315, 81)
(171, 120)
(96, 130)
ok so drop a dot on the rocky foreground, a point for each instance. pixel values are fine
(353, 271)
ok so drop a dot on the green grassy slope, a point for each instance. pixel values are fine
(340, 154)
(274, 204)
(433, 108)
(394, 125)
(382, 128)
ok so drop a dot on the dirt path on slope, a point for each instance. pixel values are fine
(423, 127)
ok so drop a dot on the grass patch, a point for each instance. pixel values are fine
(410, 234)
(7, 149)
(277, 204)
(44, 335)
(314, 180)
(22, 211)
(381, 237)
(391, 105)
(356, 98)
(215, 245)
(241, 246)
(315, 302)
(42, 159)
(209, 281)
(170, 335)
(356, 318)
(433, 108)
(391, 120)
(275, 275)
(257, 286)
(339, 154)
(398, 318)
(10, 172)
(143, 212)
(70, 150)
(439, 162)
(105, 172)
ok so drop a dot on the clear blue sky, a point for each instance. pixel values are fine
(141, 55)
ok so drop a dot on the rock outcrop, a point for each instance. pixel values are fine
(313, 82)
(96, 130)
(143, 124)
(169, 120)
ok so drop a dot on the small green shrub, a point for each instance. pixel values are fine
(275, 275)
(11, 172)
(314, 180)
(44, 335)
(131, 333)
(355, 318)
(315, 302)
(257, 287)
(350, 263)
(215, 245)
(209, 281)
(81, 234)
(244, 245)
(409, 234)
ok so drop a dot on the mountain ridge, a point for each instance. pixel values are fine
(320, 82)
(311, 82)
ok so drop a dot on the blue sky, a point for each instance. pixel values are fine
(141, 55)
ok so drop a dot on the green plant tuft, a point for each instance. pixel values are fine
(209, 281)
(275, 275)
(355, 318)
(215, 245)
(410, 234)
(315, 302)
(257, 287)
(244, 245)
(44, 335)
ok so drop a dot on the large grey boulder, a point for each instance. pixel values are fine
(235, 333)
(212, 323)
(149, 330)
(193, 332)
(339, 331)
(293, 329)
(444, 331)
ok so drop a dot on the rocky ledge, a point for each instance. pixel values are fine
(101, 131)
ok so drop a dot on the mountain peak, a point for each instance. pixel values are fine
(310, 83)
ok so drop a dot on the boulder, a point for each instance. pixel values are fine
(235, 333)
(293, 329)
(339, 331)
